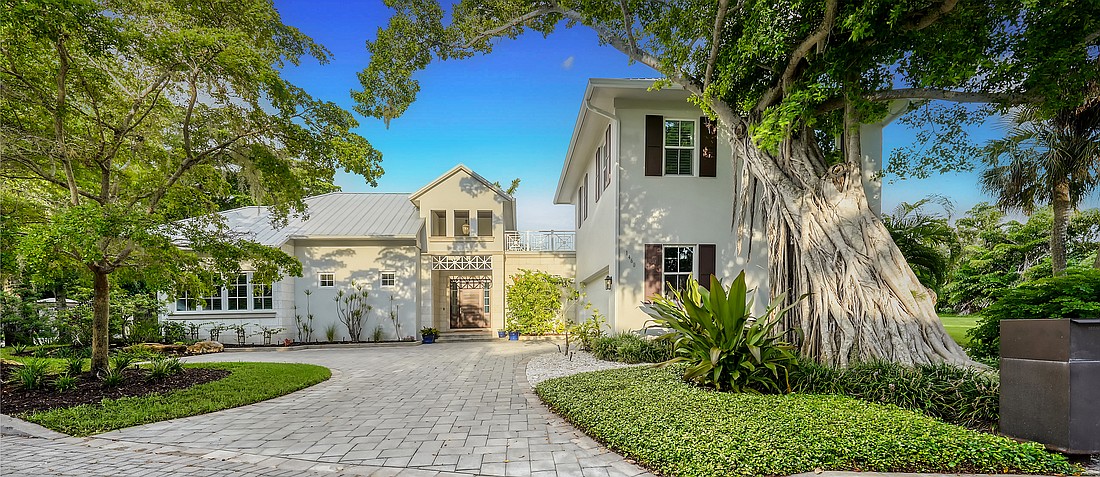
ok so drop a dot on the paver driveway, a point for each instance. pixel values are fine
(448, 407)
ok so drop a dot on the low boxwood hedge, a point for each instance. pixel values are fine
(652, 416)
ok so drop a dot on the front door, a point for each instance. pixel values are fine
(468, 307)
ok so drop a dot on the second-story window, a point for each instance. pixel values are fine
(484, 223)
(584, 198)
(462, 223)
(439, 223)
(679, 147)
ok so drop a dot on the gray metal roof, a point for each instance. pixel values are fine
(337, 214)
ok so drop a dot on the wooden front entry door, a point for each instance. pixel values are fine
(468, 308)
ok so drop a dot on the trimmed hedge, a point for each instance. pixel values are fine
(652, 416)
(955, 394)
(630, 348)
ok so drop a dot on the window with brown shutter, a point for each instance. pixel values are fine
(654, 257)
(654, 145)
(707, 267)
(708, 148)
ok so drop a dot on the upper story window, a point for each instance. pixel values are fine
(388, 279)
(678, 265)
(439, 223)
(603, 154)
(679, 147)
(484, 223)
(462, 223)
(326, 279)
(584, 199)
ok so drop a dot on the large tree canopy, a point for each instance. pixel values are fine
(784, 79)
(137, 113)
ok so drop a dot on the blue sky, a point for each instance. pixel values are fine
(509, 114)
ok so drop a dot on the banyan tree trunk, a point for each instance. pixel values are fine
(862, 300)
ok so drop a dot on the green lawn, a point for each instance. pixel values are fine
(247, 383)
(957, 325)
(650, 415)
(55, 365)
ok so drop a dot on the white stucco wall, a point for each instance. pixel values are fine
(359, 261)
(460, 191)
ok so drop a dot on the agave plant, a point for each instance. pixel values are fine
(723, 345)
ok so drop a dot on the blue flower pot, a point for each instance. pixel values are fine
(429, 339)
(513, 336)
(501, 334)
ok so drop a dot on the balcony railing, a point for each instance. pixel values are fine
(540, 241)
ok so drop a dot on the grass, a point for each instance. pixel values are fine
(53, 365)
(652, 416)
(248, 383)
(957, 326)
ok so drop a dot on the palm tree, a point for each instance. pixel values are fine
(926, 239)
(1043, 160)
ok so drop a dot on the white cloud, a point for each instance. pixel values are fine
(568, 63)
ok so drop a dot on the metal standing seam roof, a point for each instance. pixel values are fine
(337, 214)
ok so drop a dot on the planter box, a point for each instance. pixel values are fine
(1050, 378)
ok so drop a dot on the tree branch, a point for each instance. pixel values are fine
(817, 38)
(927, 20)
(719, 22)
(59, 122)
(933, 93)
(628, 25)
(507, 26)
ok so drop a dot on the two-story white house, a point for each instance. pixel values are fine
(438, 257)
(655, 188)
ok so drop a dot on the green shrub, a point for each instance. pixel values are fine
(64, 383)
(120, 361)
(74, 365)
(628, 347)
(112, 377)
(1073, 295)
(955, 394)
(723, 345)
(32, 375)
(650, 415)
(173, 331)
(535, 300)
(588, 331)
(163, 366)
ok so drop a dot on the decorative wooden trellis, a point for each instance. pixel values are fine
(462, 262)
(471, 283)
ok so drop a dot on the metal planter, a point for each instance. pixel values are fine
(1050, 383)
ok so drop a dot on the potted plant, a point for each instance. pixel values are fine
(501, 333)
(429, 334)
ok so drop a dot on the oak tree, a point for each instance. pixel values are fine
(139, 113)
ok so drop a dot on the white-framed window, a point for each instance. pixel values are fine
(185, 302)
(439, 223)
(679, 147)
(484, 223)
(262, 298)
(241, 294)
(485, 300)
(388, 278)
(213, 302)
(584, 199)
(677, 266)
(606, 157)
(462, 223)
(326, 279)
(237, 297)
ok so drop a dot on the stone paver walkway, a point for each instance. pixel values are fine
(448, 408)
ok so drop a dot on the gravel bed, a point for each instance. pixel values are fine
(556, 365)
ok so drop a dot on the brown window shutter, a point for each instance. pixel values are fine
(654, 145)
(653, 259)
(706, 263)
(708, 148)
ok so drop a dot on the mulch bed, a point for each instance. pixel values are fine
(90, 390)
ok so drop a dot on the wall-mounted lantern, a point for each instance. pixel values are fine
(607, 282)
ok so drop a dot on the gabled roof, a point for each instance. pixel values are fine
(333, 215)
(415, 197)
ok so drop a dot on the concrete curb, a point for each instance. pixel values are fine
(12, 426)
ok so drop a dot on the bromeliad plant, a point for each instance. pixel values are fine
(724, 346)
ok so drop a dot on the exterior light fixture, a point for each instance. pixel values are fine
(607, 282)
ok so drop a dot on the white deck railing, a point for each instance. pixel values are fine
(540, 241)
